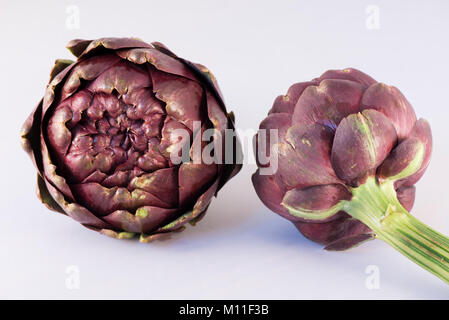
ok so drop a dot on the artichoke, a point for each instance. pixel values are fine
(349, 150)
(102, 138)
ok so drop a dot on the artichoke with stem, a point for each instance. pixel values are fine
(349, 152)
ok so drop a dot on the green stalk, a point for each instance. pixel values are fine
(378, 207)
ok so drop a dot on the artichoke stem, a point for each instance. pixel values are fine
(378, 207)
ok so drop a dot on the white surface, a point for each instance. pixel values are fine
(256, 49)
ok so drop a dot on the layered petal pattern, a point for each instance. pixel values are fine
(334, 133)
(103, 136)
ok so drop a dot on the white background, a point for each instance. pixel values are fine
(256, 49)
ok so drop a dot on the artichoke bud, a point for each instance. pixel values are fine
(337, 134)
(104, 138)
(349, 153)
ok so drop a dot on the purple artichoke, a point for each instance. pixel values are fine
(348, 154)
(102, 138)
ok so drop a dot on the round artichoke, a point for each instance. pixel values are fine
(349, 150)
(102, 138)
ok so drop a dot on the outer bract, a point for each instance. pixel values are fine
(101, 138)
(349, 152)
